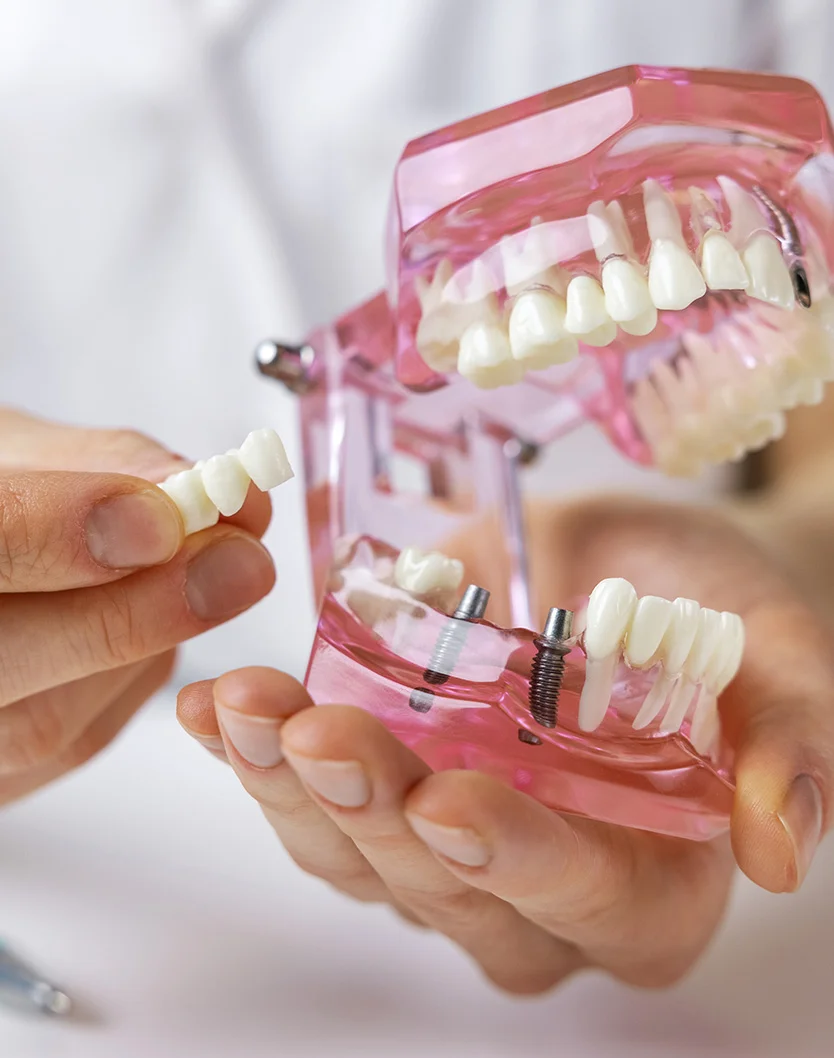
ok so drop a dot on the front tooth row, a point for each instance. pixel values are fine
(219, 485)
(697, 649)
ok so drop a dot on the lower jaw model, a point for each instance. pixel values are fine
(647, 251)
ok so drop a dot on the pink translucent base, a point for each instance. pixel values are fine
(373, 645)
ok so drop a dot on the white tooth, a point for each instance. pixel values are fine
(674, 279)
(429, 294)
(648, 626)
(422, 572)
(643, 324)
(680, 636)
(810, 391)
(626, 291)
(226, 483)
(538, 338)
(734, 632)
(437, 341)
(528, 258)
(655, 699)
(662, 218)
(721, 263)
(705, 723)
(770, 279)
(679, 704)
(596, 691)
(704, 644)
(187, 491)
(745, 211)
(610, 609)
(586, 316)
(485, 357)
(603, 236)
(265, 460)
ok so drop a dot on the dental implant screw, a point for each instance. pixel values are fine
(548, 667)
(449, 645)
(289, 364)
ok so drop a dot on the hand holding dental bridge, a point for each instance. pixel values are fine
(98, 583)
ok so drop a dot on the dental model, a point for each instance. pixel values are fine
(219, 485)
(647, 251)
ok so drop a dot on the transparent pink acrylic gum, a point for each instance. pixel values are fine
(697, 209)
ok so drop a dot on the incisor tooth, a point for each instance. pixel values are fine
(265, 460)
(226, 483)
(769, 277)
(649, 623)
(704, 645)
(721, 264)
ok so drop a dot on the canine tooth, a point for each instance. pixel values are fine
(610, 609)
(538, 338)
(485, 357)
(265, 460)
(421, 572)
(706, 724)
(226, 483)
(596, 691)
(648, 626)
(721, 263)
(679, 703)
(674, 279)
(626, 292)
(187, 491)
(704, 644)
(769, 277)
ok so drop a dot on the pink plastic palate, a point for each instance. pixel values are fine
(398, 454)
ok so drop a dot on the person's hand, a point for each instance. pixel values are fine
(533, 895)
(98, 586)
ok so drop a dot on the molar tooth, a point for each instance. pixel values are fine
(422, 572)
(721, 264)
(429, 294)
(627, 297)
(527, 258)
(586, 316)
(610, 609)
(674, 279)
(187, 491)
(538, 338)
(226, 483)
(769, 277)
(649, 623)
(485, 357)
(265, 460)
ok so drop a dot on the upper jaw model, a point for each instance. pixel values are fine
(647, 251)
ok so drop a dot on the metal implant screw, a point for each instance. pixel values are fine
(449, 645)
(289, 364)
(548, 667)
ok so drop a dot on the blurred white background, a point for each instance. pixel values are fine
(179, 178)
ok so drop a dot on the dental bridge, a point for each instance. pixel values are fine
(646, 250)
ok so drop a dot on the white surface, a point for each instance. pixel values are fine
(153, 889)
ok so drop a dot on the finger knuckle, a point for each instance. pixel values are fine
(449, 903)
(131, 448)
(110, 634)
(355, 877)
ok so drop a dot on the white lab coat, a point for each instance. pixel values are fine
(179, 179)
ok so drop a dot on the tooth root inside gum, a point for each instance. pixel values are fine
(695, 651)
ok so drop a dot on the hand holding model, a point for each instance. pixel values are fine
(98, 584)
(531, 894)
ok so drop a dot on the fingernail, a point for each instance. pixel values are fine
(136, 529)
(801, 816)
(227, 577)
(343, 782)
(461, 844)
(256, 738)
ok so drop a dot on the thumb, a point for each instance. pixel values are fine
(779, 715)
